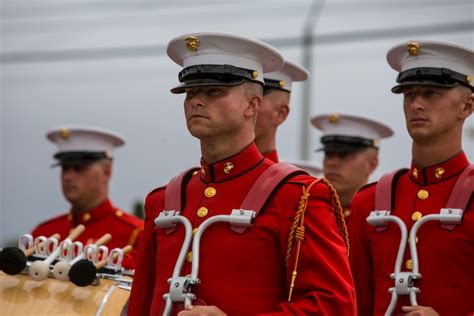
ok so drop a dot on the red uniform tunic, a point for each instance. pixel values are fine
(272, 155)
(446, 258)
(105, 218)
(245, 274)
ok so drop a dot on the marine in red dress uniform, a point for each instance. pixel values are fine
(105, 218)
(435, 106)
(275, 106)
(241, 274)
(84, 156)
(445, 256)
(351, 146)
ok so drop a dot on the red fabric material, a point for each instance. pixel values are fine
(103, 219)
(245, 274)
(272, 155)
(445, 257)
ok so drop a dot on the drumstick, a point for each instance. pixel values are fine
(39, 270)
(84, 272)
(13, 260)
(61, 268)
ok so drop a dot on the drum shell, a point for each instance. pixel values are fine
(20, 295)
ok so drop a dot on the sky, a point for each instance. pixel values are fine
(103, 63)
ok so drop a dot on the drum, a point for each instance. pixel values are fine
(20, 295)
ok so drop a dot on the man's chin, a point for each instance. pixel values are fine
(70, 196)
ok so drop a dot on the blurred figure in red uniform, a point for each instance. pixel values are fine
(85, 157)
(241, 273)
(351, 148)
(275, 106)
(435, 80)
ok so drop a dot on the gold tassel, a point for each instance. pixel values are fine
(297, 229)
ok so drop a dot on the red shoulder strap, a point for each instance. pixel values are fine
(173, 192)
(462, 190)
(265, 185)
(383, 190)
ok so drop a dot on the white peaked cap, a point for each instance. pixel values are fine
(349, 132)
(283, 78)
(84, 139)
(208, 48)
(443, 59)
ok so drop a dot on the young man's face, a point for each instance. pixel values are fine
(215, 111)
(349, 171)
(81, 183)
(431, 112)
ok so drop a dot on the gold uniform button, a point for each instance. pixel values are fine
(119, 213)
(439, 173)
(415, 173)
(189, 256)
(202, 211)
(210, 192)
(86, 217)
(409, 264)
(347, 213)
(423, 194)
(194, 231)
(195, 173)
(416, 216)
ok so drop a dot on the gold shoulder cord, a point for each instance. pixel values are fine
(297, 229)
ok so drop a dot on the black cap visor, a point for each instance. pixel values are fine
(341, 144)
(76, 158)
(271, 85)
(213, 75)
(439, 77)
(205, 83)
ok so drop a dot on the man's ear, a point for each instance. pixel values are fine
(468, 107)
(254, 103)
(107, 168)
(281, 114)
(373, 161)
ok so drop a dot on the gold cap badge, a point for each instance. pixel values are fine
(281, 83)
(413, 48)
(333, 118)
(192, 43)
(468, 79)
(254, 74)
(64, 133)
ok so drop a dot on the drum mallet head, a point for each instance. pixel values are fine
(12, 260)
(61, 270)
(39, 270)
(82, 273)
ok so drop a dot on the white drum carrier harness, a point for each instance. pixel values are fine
(449, 217)
(240, 219)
